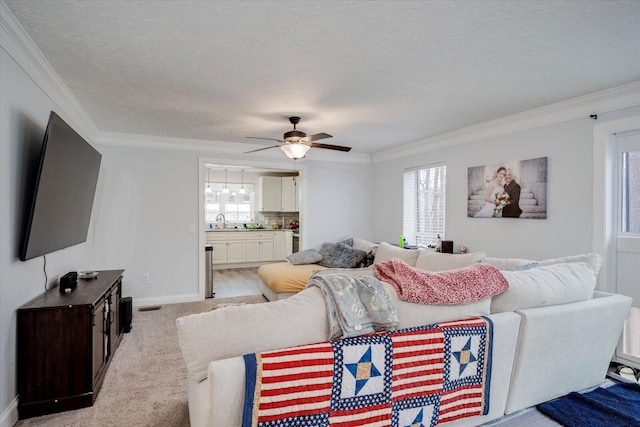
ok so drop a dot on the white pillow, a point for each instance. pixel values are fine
(365, 245)
(504, 263)
(437, 261)
(549, 285)
(387, 251)
(593, 259)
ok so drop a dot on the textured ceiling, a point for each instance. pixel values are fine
(373, 74)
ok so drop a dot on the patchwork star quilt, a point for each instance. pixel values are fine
(421, 376)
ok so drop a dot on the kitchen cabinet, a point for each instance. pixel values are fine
(237, 247)
(260, 246)
(228, 246)
(270, 199)
(282, 244)
(278, 194)
(289, 194)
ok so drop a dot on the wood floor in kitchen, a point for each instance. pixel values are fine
(235, 282)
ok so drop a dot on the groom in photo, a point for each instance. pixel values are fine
(512, 188)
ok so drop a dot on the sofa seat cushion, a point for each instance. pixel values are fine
(286, 277)
(546, 285)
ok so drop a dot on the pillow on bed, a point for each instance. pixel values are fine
(308, 256)
(338, 255)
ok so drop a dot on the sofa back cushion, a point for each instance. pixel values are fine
(387, 251)
(593, 259)
(437, 261)
(505, 263)
(237, 330)
(546, 285)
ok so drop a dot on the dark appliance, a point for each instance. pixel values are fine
(126, 313)
(62, 198)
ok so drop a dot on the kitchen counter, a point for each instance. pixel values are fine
(250, 229)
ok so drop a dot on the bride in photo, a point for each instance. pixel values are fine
(494, 188)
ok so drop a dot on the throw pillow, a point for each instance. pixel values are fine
(365, 245)
(593, 259)
(525, 267)
(504, 263)
(338, 255)
(348, 242)
(387, 251)
(308, 256)
(545, 285)
(437, 261)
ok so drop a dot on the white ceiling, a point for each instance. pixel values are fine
(373, 74)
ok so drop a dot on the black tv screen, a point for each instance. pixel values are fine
(65, 187)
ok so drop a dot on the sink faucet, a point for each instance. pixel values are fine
(224, 220)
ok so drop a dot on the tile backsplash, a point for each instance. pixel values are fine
(267, 218)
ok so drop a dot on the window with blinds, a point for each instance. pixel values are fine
(424, 204)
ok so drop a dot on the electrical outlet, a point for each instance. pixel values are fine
(145, 278)
(192, 228)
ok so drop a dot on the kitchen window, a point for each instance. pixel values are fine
(236, 207)
(423, 209)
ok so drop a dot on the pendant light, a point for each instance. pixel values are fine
(208, 190)
(242, 190)
(225, 190)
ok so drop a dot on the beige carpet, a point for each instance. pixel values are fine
(145, 383)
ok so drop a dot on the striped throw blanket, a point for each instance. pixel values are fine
(418, 376)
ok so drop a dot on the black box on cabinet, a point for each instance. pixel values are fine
(68, 282)
(126, 313)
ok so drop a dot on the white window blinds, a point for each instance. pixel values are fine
(423, 205)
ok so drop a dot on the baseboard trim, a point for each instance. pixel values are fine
(172, 299)
(10, 415)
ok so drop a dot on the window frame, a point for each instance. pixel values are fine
(419, 230)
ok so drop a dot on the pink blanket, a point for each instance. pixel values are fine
(462, 286)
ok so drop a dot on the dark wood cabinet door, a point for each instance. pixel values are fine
(99, 350)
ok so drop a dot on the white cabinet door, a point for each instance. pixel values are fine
(289, 192)
(282, 244)
(270, 194)
(219, 252)
(260, 246)
(266, 250)
(253, 250)
(236, 250)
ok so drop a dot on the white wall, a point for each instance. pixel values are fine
(24, 112)
(337, 203)
(568, 227)
(148, 199)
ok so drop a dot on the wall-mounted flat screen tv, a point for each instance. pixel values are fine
(63, 195)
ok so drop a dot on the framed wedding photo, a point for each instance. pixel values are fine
(516, 189)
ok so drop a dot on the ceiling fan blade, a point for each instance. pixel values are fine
(330, 147)
(318, 136)
(264, 148)
(268, 139)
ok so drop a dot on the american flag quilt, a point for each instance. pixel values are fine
(421, 376)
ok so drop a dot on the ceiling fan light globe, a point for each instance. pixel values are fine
(295, 151)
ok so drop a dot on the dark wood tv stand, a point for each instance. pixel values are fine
(65, 344)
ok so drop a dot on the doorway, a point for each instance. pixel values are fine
(237, 210)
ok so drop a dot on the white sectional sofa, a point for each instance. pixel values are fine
(552, 333)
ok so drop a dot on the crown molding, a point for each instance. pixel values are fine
(17, 43)
(24, 51)
(219, 147)
(616, 98)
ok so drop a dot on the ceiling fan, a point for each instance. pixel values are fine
(295, 143)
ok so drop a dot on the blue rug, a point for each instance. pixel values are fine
(618, 405)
